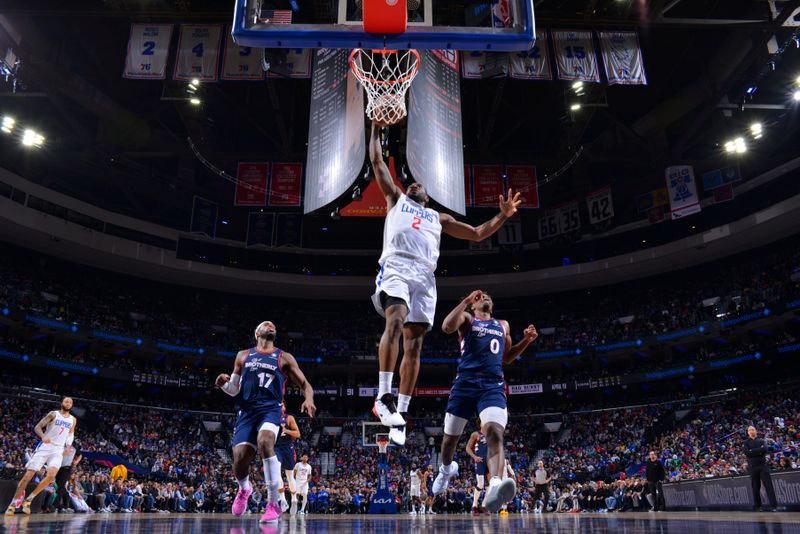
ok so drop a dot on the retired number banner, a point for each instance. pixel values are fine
(622, 57)
(198, 52)
(476, 65)
(148, 47)
(297, 65)
(532, 64)
(285, 184)
(251, 184)
(522, 179)
(241, 62)
(575, 57)
(599, 205)
(488, 183)
(682, 188)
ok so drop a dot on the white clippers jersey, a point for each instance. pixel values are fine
(412, 232)
(303, 472)
(58, 429)
(415, 480)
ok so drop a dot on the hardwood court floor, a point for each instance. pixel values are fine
(626, 523)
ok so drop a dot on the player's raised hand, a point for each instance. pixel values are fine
(308, 407)
(474, 297)
(530, 333)
(222, 380)
(510, 203)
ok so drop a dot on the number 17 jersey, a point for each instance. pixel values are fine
(262, 381)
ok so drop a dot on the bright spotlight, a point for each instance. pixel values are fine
(195, 81)
(194, 101)
(796, 95)
(8, 124)
(32, 138)
(575, 107)
(740, 146)
(756, 129)
(730, 147)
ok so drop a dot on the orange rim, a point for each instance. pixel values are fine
(404, 79)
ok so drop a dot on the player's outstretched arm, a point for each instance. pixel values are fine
(379, 167)
(291, 429)
(460, 230)
(529, 336)
(458, 317)
(292, 370)
(230, 384)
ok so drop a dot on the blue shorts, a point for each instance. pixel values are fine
(249, 422)
(480, 468)
(286, 454)
(470, 396)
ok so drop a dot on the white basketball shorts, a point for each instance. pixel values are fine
(46, 455)
(302, 487)
(406, 279)
(414, 492)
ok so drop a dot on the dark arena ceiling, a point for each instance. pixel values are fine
(122, 144)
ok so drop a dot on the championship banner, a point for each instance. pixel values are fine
(204, 217)
(575, 57)
(467, 186)
(251, 184)
(600, 205)
(622, 56)
(148, 47)
(522, 179)
(296, 64)
(241, 62)
(533, 64)
(198, 52)
(721, 177)
(478, 65)
(653, 199)
(682, 187)
(488, 183)
(260, 228)
(285, 185)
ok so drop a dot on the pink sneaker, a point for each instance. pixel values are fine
(272, 513)
(240, 502)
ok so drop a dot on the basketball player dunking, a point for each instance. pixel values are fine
(405, 291)
(476, 449)
(287, 456)
(258, 379)
(56, 431)
(480, 387)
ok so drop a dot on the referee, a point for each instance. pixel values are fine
(540, 484)
(755, 449)
(72, 457)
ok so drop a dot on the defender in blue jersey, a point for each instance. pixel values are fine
(476, 449)
(257, 383)
(480, 387)
(287, 456)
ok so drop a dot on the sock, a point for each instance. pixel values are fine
(245, 484)
(384, 383)
(494, 482)
(402, 403)
(475, 496)
(272, 475)
(422, 509)
(294, 498)
(282, 497)
(305, 500)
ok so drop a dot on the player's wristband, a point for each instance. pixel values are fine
(231, 387)
(69, 440)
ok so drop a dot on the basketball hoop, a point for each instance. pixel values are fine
(385, 75)
(383, 444)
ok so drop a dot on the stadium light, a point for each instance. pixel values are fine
(730, 147)
(195, 81)
(796, 95)
(740, 146)
(8, 124)
(194, 101)
(756, 129)
(32, 138)
(575, 107)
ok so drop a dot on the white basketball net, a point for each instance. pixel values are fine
(383, 445)
(386, 75)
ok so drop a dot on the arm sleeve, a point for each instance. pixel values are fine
(232, 386)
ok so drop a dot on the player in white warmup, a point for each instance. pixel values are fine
(56, 431)
(415, 484)
(302, 474)
(405, 292)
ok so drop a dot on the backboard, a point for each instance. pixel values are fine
(496, 25)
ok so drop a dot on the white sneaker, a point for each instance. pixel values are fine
(499, 494)
(302, 512)
(442, 480)
(397, 435)
(284, 506)
(431, 512)
(412, 512)
(386, 410)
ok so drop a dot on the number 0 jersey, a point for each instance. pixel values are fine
(413, 232)
(482, 349)
(262, 380)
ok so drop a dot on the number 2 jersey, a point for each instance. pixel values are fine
(482, 349)
(262, 382)
(412, 232)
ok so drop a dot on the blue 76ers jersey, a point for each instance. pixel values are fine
(481, 448)
(482, 349)
(262, 380)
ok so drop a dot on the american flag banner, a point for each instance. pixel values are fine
(275, 16)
